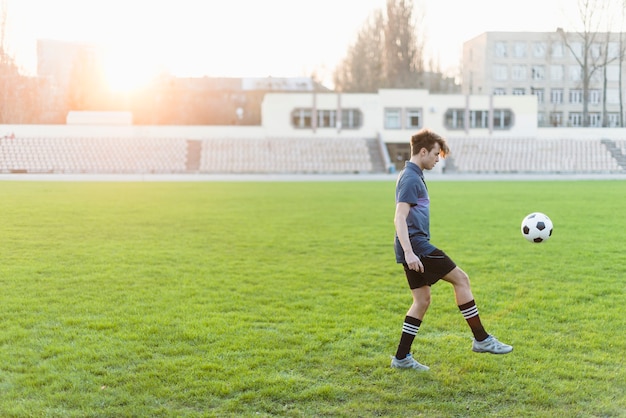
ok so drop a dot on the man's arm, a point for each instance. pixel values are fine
(402, 230)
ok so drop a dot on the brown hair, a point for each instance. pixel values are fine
(426, 138)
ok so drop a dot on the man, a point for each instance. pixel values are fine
(424, 264)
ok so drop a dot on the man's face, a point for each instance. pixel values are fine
(431, 158)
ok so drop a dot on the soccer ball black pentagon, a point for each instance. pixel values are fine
(537, 227)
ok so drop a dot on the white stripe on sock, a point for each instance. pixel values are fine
(410, 329)
(470, 312)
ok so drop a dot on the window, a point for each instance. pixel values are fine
(557, 50)
(612, 96)
(556, 72)
(556, 96)
(301, 118)
(575, 73)
(612, 72)
(596, 50)
(595, 119)
(351, 118)
(594, 97)
(413, 118)
(453, 118)
(518, 72)
(393, 118)
(326, 118)
(499, 91)
(519, 91)
(500, 49)
(502, 119)
(519, 49)
(500, 72)
(576, 119)
(539, 93)
(539, 49)
(538, 72)
(575, 96)
(556, 119)
(613, 119)
(613, 50)
(577, 49)
(541, 119)
(479, 118)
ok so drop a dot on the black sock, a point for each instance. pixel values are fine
(409, 330)
(470, 313)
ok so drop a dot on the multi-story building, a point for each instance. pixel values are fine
(549, 65)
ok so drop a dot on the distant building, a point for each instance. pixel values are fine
(543, 64)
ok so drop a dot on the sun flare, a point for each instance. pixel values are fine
(128, 71)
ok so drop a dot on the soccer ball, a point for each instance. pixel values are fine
(537, 227)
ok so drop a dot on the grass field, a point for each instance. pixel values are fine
(284, 299)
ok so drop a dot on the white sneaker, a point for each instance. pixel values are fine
(491, 345)
(408, 363)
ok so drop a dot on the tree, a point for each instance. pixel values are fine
(386, 54)
(589, 55)
(403, 56)
(363, 70)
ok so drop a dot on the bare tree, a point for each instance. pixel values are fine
(363, 69)
(589, 55)
(387, 53)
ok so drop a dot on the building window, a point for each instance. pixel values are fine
(556, 119)
(575, 73)
(413, 118)
(500, 49)
(502, 119)
(539, 93)
(577, 49)
(612, 72)
(519, 49)
(557, 50)
(326, 118)
(539, 49)
(612, 96)
(556, 96)
(518, 72)
(541, 119)
(519, 91)
(595, 119)
(351, 118)
(500, 72)
(499, 91)
(479, 118)
(575, 96)
(556, 72)
(594, 97)
(538, 72)
(613, 119)
(301, 118)
(393, 118)
(453, 118)
(575, 119)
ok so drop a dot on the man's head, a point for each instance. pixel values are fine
(427, 147)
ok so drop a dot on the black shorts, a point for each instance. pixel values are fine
(436, 265)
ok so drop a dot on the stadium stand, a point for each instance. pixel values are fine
(531, 155)
(309, 155)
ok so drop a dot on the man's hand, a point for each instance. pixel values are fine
(413, 261)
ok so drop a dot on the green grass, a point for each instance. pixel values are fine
(284, 299)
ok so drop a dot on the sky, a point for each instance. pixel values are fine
(255, 38)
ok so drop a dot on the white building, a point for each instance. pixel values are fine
(547, 65)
